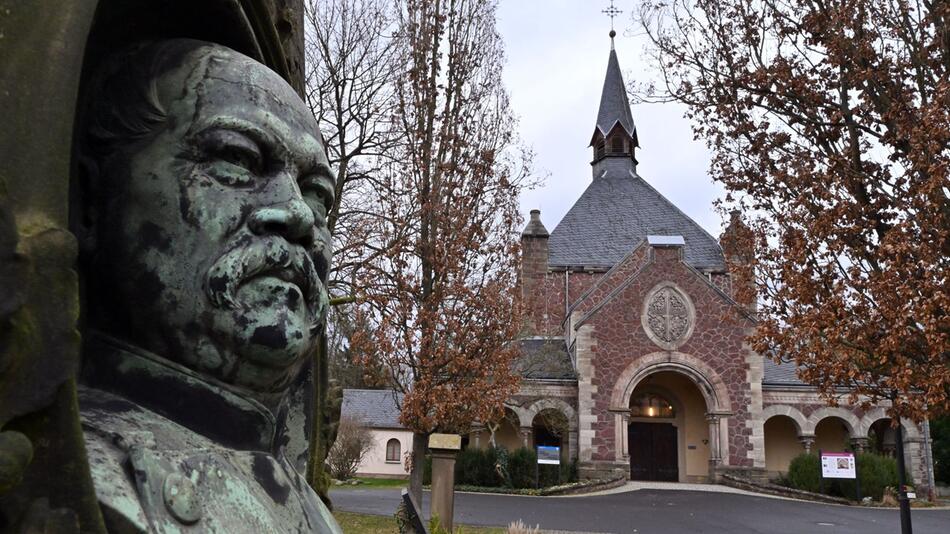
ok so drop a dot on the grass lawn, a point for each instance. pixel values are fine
(375, 483)
(379, 524)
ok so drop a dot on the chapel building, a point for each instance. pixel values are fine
(636, 361)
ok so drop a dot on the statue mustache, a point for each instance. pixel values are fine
(267, 255)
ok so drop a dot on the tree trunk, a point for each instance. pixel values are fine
(419, 443)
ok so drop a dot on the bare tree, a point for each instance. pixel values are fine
(353, 441)
(439, 305)
(352, 59)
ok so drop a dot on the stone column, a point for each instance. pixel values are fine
(444, 448)
(715, 447)
(477, 436)
(572, 444)
(859, 444)
(526, 435)
(807, 441)
(625, 436)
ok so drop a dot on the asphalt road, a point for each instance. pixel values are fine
(659, 511)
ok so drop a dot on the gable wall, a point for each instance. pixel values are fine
(717, 340)
(547, 305)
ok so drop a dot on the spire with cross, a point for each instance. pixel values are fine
(612, 12)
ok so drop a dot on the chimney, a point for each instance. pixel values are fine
(534, 266)
(738, 247)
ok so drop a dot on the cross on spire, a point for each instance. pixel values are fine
(612, 12)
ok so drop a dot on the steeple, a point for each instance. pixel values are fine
(615, 134)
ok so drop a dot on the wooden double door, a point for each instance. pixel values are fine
(653, 451)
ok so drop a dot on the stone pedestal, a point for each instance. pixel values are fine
(444, 449)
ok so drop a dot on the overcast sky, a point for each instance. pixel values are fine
(557, 57)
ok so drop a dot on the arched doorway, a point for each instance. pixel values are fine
(832, 434)
(507, 432)
(667, 433)
(781, 443)
(550, 428)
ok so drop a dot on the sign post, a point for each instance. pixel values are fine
(840, 465)
(547, 456)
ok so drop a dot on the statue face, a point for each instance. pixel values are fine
(212, 239)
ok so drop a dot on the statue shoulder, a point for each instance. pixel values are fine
(115, 486)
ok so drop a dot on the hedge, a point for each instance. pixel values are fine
(477, 467)
(875, 472)
(521, 468)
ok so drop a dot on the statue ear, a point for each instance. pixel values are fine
(86, 222)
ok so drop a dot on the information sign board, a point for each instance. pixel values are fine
(549, 455)
(838, 465)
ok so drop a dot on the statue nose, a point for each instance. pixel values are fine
(292, 220)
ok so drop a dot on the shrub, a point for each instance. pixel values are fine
(352, 443)
(804, 472)
(476, 467)
(521, 465)
(875, 473)
(467, 465)
(569, 471)
(940, 431)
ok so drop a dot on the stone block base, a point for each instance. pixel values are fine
(602, 469)
(757, 474)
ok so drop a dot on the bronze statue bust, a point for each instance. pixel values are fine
(204, 254)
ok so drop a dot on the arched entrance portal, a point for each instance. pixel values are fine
(667, 433)
(550, 428)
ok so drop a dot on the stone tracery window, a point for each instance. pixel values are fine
(668, 317)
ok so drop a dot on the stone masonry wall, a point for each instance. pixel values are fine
(716, 340)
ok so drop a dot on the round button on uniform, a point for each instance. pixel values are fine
(181, 498)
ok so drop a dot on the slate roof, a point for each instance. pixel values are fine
(618, 211)
(780, 374)
(614, 106)
(374, 408)
(545, 358)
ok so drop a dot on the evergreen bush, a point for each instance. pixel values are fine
(804, 472)
(467, 466)
(521, 465)
(875, 472)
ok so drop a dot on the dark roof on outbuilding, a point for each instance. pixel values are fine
(374, 408)
(545, 358)
(780, 374)
(618, 211)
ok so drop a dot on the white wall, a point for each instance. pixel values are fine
(375, 464)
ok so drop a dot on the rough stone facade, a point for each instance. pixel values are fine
(635, 290)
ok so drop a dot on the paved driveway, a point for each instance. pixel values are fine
(656, 511)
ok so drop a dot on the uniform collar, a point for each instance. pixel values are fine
(201, 404)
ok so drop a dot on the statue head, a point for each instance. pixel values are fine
(203, 235)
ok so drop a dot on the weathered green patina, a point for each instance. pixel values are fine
(203, 243)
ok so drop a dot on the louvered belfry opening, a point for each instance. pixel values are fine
(615, 134)
(617, 143)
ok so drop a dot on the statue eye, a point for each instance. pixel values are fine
(242, 157)
(318, 186)
(232, 153)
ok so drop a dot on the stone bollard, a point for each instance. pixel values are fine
(444, 449)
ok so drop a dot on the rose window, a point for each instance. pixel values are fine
(668, 315)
